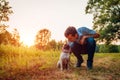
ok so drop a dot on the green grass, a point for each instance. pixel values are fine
(23, 63)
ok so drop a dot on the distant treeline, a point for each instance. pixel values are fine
(108, 48)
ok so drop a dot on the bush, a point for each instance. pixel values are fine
(108, 48)
(119, 48)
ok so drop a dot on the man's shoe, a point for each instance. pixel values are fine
(78, 63)
(89, 65)
(89, 68)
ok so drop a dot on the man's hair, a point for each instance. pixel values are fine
(70, 30)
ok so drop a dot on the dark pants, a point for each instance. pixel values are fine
(89, 48)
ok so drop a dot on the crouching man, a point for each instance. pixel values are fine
(82, 41)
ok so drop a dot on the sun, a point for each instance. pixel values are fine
(28, 41)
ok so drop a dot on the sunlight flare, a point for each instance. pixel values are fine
(28, 41)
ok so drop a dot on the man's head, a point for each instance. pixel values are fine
(71, 33)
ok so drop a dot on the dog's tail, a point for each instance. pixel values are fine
(58, 64)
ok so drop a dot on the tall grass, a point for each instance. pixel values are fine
(29, 63)
(16, 56)
(13, 59)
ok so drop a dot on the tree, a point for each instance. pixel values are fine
(42, 38)
(5, 36)
(106, 18)
(52, 45)
(15, 38)
(60, 44)
(5, 11)
(9, 38)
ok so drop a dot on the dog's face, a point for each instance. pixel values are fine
(66, 48)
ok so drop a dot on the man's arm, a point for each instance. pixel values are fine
(84, 37)
(96, 35)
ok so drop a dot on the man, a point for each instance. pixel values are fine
(82, 41)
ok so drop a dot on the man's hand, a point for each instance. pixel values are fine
(96, 35)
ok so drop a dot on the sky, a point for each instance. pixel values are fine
(30, 16)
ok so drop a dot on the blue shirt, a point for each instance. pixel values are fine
(82, 31)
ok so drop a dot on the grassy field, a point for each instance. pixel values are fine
(22, 63)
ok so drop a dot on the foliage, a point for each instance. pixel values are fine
(5, 36)
(51, 45)
(106, 18)
(15, 38)
(108, 48)
(5, 10)
(60, 44)
(9, 38)
(54, 45)
(42, 38)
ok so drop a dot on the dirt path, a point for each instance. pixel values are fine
(35, 73)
